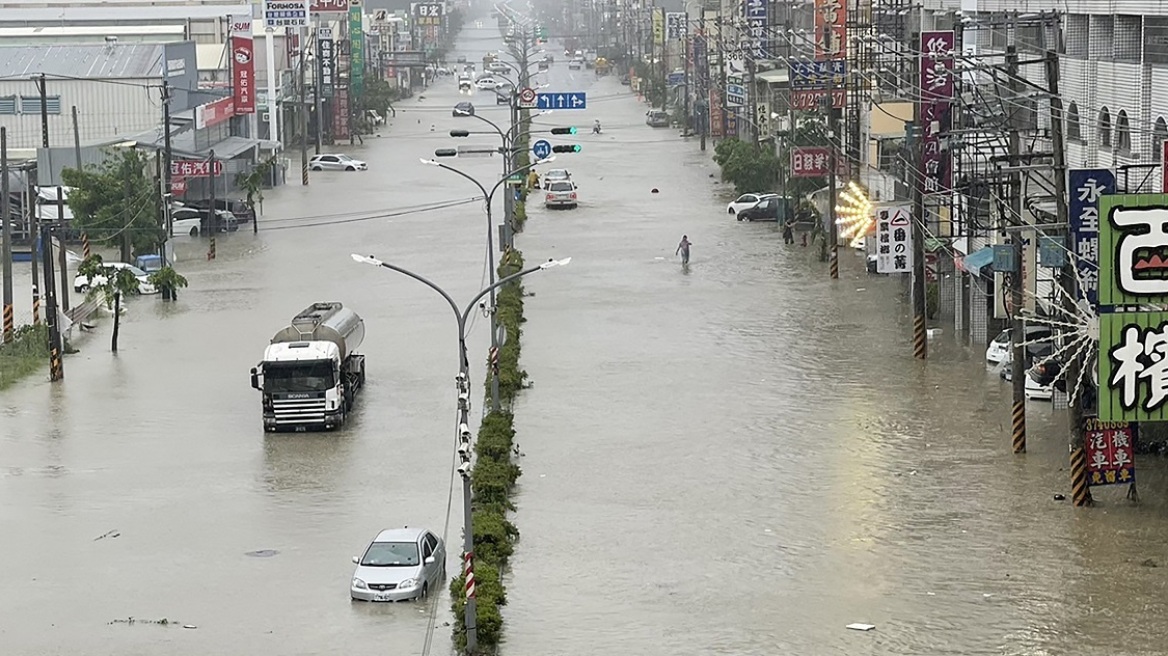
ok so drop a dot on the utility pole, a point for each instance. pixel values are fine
(167, 175)
(722, 73)
(6, 231)
(1017, 327)
(213, 215)
(317, 74)
(44, 112)
(833, 144)
(56, 366)
(61, 259)
(76, 139)
(686, 42)
(302, 114)
(1080, 491)
(664, 61)
(32, 216)
(920, 323)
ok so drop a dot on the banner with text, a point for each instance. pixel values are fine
(936, 93)
(658, 25)
(242, 65)
(812, 81)
(894, 239)
(329, 6)
(756, 22)
(285, 13)
(356, 51)
(815, 162)
(675, 25)
(326, 61)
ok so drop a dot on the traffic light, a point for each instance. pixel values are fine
(460, 133)
(446, 152)
(571, 130)
(570, 148)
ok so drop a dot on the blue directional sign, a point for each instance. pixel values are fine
(542, 149)
(570, 100)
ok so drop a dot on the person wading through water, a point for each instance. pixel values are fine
(683, 249)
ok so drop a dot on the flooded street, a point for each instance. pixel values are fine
(740, 457)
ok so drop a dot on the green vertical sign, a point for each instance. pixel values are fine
(1133, 366)
(1133, 249)
(356, 50)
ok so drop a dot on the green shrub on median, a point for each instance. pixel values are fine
(493, 477)
(28, 351)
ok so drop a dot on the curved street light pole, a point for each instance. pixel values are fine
(488, 197)
(463, 437)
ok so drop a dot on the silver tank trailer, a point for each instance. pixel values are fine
(330, 322)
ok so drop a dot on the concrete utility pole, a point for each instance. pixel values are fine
(919, 305)
(56, 364)
(32, 216)
(6, 231)
(1080, 491)
(76, 139)
(212, 214)
(302, 114)
(44, 111)
(167, 175)
(62, 261)
(317, 100)
(833, 143)
(1017, 326)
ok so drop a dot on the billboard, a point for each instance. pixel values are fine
(812, 81)
(756, 23)
(326, 61)
(894, 253)
(1133, 250)
(285, 13)
(356, 49)
(242, 48)
(936, 100)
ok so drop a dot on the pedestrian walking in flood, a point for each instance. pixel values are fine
(788, 232)
(683, 249)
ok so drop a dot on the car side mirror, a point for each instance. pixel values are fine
(356, 560)
(255, 378)
(429, 560)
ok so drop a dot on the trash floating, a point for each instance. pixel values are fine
(859, 626)
(189, 626)
(262, 553)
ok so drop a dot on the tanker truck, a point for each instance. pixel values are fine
(310, 373)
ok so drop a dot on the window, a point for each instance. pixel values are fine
(1074, 127)
(1159, 136)
(1122, 133)
(32, 104)
(8, 105)
(1104, 128)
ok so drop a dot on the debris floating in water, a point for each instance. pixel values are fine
(262, 553)
(859, 626)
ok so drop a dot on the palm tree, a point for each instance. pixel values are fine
(111, 283)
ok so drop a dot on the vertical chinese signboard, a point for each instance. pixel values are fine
(340, 101)
(717, 118)
(356, 49)
(675, 26)
(831, 30)
(756, 22)
(936, 93)
(326, 62)
(242, 64)
(1086, 186)
(658, 25)
(894, 240)
(1133, 272)
(1110, 451)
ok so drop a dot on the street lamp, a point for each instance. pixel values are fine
(462, 382)
(489, 196)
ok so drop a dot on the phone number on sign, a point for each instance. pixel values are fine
(814, 99)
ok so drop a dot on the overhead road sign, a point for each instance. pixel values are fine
(570, 100)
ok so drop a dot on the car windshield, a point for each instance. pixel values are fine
(298, 377)
(557, 174)
(561, 186)
(391, 554)
(136, 271)
(1003, 337)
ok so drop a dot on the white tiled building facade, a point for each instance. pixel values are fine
(1114, 58)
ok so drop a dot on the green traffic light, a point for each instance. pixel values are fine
(576, 148)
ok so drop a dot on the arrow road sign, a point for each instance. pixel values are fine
(527, 98)
(541, 149)
(570, 100)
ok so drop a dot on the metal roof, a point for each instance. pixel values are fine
(93, 61)
(105, 14)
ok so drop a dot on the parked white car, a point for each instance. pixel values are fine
(336, 162)
(82, 284)
(745, 201)
(999, 350)
(487, 84)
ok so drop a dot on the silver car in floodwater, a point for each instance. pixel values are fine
(400, 564)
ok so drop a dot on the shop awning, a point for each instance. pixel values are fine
(975, 261)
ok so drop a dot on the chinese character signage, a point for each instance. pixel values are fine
(329, 6)
(675, 25)
(716, 115)
(831, 29)
(756, 22)
(326, 61)
(1133, 366)
(194, 168)
(1133, 249)
(286, 13)
(732, 122)
(814, 162)
(1110, 451)
(242, 64)
(429, 14)
(341, 113)
(936, 93)
(658, 25)
(811, 81)
(1086, 186)
(214, 113)
(894, 240)
(356, 49)
(735, 91)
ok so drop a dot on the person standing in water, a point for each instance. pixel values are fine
(683, 249)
